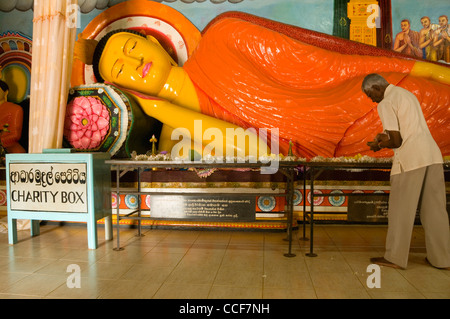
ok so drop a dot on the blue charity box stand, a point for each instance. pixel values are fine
(59, 185)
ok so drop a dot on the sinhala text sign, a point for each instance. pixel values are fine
(49, 187)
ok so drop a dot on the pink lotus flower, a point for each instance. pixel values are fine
(86, 123)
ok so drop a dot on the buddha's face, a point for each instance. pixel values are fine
(135, 62)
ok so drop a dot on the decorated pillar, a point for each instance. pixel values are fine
(362, 14)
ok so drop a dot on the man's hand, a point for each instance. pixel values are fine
(374, 145)
(381, 137)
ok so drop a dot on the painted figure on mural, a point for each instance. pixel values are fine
(11, 119)
(426, 39)
(407, 41)
(280, 84)
(441, 40)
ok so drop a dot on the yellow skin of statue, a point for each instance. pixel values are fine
(141, 64)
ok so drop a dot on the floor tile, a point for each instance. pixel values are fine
(239, 276)
(231, 292)
(36, 285)
(213, 264)
(283, 293)
(129, 289)
(182, 291)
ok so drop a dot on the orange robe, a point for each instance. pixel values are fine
(12, 115)
(257, 77)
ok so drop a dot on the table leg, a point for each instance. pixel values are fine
(92, 233)
(118, 248)
(290, 205)
(311, 245)
(108, 228)
(304, 238)
(12, 231)
(35, 228)
(139, 234)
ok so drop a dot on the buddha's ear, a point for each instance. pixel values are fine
(154, 40)
(84, 49)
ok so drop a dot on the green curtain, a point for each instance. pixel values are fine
(341, 24)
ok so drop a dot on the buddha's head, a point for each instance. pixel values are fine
(133, 61)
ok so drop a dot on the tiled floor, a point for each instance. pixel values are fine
(216, 264)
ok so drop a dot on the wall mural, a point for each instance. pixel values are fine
(421, 32)
(432, 42)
